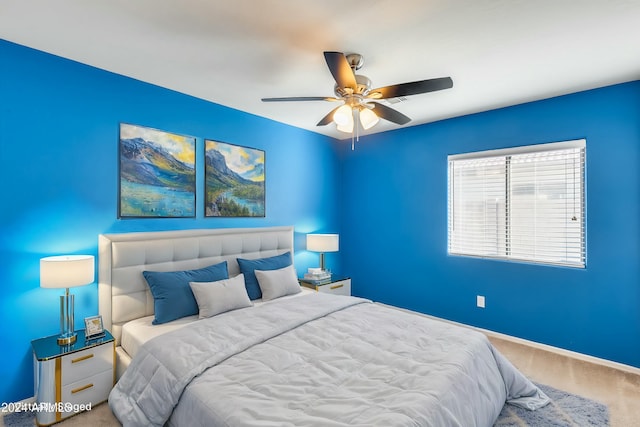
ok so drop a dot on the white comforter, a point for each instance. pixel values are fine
(319, 360)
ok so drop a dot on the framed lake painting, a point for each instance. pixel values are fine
(157, 174)
(234, 180)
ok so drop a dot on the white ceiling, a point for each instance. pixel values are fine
(234, 52)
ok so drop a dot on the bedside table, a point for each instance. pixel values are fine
(336, 285)
(71, 378)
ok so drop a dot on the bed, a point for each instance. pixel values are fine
(287, 357)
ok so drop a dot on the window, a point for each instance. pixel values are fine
(525, 203)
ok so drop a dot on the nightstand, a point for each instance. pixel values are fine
(71, 378)
(336, 285)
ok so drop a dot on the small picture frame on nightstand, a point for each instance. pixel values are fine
(93, 327)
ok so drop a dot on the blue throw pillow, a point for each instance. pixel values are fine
(172, 295)
(248, 266)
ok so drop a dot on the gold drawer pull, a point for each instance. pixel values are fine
(80, 359)
(337, 286)
(78, 390)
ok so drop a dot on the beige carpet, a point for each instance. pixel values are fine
(619, 390)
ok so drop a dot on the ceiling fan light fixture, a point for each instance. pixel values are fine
(368, 118)
(343, 116)
(347, 128)
(358, 96)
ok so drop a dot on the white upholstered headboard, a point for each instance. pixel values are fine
(123, 292)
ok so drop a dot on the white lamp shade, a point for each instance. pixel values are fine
(66, 271)
(343, 117)
(323, 242)
(345, 128)
(368, 118)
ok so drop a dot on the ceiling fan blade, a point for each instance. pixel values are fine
(301, 98)
(341, 70)
(390, 114)
(328, 118)
(413, 88)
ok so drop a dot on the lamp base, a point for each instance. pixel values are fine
(322, 264)
(67, 331)
(67, 339)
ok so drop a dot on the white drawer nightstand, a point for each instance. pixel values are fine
(336, 285)
(71, 378)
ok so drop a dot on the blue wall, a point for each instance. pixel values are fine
(388, 199)
(59, 124)
(394, 239)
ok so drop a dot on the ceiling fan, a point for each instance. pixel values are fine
(354, 90)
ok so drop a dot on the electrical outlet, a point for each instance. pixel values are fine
(480, 301)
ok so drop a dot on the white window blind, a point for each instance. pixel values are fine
(525, 203)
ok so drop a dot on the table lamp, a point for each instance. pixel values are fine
(323, 243)
(66, 271)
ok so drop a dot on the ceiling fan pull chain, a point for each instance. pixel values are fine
(356, 130)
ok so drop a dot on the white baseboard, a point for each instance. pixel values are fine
(564, 352)
(540, 346)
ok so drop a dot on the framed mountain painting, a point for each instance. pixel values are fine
(157, 174)
(234, 180)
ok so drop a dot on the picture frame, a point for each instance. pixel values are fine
(93, 327)
(234, 180)
(157, 173)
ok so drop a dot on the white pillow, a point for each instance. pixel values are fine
(278, 283)
(220, 296)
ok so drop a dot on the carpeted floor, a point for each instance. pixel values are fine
(619, 390)
(565, 410)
